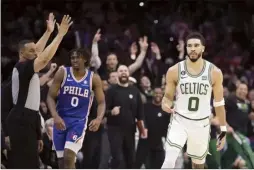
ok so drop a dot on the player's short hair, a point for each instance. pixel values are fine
(196, 35)
(22, 44)
(83, 52)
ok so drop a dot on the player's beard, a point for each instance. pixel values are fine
(195, 59)
(123, 79)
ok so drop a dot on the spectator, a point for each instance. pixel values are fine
(146, 89)
(150, 151)
(124, 106)
(112, 78)
(112, 60)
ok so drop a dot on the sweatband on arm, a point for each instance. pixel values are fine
(220, 103)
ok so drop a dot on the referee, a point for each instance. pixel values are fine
(124, 106)
(23, 122)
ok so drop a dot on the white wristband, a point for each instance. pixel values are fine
(220, 103)
(223, 128)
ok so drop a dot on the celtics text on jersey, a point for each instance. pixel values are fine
(193, 92)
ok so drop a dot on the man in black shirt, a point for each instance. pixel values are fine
(124, 106)
(23, 122)
(151, 150)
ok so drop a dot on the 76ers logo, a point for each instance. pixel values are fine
(74, 137)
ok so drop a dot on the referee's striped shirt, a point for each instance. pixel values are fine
(26, 86)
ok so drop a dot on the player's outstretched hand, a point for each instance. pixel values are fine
(60, 125)
(221, 140)
(65, 25)
(94, 124)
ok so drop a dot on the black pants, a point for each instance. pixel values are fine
(24, 130)
(91, 149)
(105, 150)
(153, 158)
(122, 146)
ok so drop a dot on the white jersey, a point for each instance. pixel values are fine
(193, 92)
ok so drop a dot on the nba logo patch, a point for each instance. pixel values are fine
(183, 73)
(85, 82)
(74, 136)
(204, 77)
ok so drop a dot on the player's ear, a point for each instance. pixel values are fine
(21, 52)
(203, 49)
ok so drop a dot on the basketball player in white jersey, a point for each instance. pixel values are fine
(192, 81)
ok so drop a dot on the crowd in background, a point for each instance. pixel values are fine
(115, 31)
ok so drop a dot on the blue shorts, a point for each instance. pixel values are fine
(71, 138)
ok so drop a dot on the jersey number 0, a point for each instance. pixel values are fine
(193, 104)
(74, 101)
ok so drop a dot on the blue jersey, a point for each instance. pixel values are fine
(75, 96)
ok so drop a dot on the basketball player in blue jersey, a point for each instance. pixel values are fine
(72, 89)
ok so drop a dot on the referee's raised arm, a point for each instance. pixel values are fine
(23, 122)
(43, 58)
